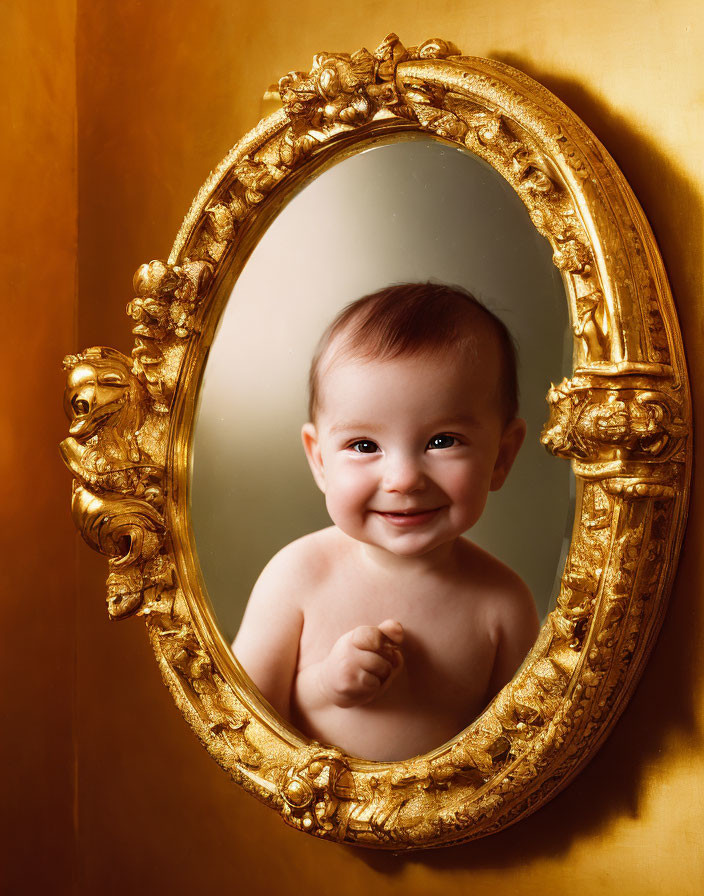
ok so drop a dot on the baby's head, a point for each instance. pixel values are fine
(412, 400)
(413, 319)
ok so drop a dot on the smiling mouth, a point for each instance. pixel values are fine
(408, 517)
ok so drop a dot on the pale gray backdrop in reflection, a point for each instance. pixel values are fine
(409, 211)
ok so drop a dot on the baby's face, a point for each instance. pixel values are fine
(407, 450)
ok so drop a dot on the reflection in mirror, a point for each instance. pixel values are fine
(419, 662)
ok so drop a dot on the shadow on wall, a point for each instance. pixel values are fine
(663, 707)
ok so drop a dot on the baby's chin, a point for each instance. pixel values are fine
(409, 546)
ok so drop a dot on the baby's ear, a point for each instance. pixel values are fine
(309, 436)
(510, 445)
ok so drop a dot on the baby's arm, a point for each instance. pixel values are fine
(516, 627)
(267, 641)
(359, 667)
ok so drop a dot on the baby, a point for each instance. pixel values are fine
(388, 632)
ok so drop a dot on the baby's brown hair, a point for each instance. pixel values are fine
(412, 319)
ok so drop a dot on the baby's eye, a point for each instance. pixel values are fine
(364, 446)
(443, 440)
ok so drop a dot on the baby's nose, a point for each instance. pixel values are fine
(403, 474)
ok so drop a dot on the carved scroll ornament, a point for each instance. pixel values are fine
(624, 420)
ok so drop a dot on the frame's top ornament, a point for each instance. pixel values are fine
(352, 89)
(623, 418)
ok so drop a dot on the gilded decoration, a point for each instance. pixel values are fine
(623, 419)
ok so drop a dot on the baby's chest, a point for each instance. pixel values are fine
(446, 641)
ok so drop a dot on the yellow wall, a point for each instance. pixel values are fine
(162, 91)
(37, 547)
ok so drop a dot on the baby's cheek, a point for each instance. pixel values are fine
(351, 491)
(470, 490)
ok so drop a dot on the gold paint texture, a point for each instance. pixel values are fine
(163, 89)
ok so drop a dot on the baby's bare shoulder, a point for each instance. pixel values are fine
(306, 561)
(277, 601)
(507, 596)
(509, 612)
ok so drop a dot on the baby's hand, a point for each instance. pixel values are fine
(362, 663)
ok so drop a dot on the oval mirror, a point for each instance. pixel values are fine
(413, 210)
(402, 166)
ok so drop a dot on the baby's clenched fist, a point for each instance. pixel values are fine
(362, 663)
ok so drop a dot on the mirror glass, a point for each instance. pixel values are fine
(413, 210)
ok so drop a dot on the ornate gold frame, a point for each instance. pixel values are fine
(624, 418)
